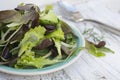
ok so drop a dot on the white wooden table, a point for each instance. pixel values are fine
(88, 67)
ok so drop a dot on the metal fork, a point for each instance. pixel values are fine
(71, 13)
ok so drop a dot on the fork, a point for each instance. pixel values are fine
(71, 13)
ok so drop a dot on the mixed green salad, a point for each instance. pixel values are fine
(31, 38)
(34, 38)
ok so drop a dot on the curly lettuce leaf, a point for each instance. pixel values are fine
(29, 59)
(57, 34)
(31, 39)
(49, 18)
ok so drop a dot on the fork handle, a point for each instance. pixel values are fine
(104, 26)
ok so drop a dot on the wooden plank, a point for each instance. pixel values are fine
(88, 67)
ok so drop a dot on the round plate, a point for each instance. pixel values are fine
(53, 68)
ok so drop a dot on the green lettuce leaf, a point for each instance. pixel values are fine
(28, 59)
(49, 18)
(31, 39)
(57, 36)
(58, 46)
(94, 51)
(48, 8)
(71, 39)
(98, 52)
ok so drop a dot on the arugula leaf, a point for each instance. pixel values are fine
(31, 39)
(105, 49)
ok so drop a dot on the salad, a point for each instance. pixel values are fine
(31, 38)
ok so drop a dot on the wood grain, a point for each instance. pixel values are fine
(88, 67)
